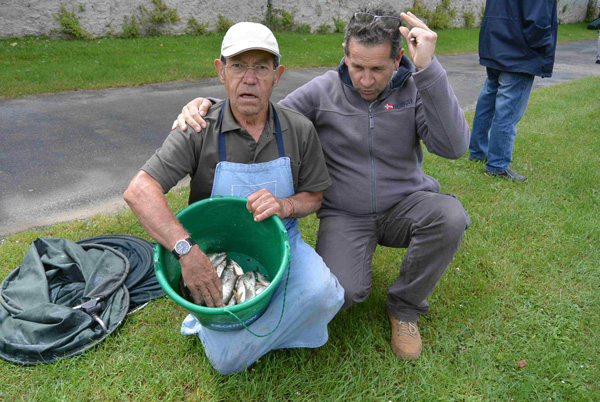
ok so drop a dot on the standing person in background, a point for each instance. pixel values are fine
(598, 51)
(517, 41)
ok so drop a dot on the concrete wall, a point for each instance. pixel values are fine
(100, 18)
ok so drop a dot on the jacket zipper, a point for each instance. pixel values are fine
(371, 127)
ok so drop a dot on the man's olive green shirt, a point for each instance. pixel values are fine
(197, 154)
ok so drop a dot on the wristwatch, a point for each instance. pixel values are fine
(182, 247)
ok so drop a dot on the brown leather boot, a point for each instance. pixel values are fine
(406, 340)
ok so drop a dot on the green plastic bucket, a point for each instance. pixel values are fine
(224, 224)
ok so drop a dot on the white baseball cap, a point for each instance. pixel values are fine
(245, 36)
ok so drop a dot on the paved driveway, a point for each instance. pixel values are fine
(72, 154)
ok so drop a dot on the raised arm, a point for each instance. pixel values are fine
(441, 123)
(146, 199)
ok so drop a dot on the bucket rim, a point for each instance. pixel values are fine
(195, 308)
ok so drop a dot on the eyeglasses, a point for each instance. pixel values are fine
(387, 21)
(238, 70)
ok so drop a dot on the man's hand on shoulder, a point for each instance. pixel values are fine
(193, 114)
(420, 41)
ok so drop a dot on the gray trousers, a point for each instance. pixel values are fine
(430, 225)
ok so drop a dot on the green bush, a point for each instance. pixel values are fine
(302, 28)
(339, 25)
(279, 20)
(193, 27)
(421, 11)
(131, 28)
(443, 16)
(591, 11)
(223, 24)
(323, 29)
(159, 17)
(70, 24)
(469, 19)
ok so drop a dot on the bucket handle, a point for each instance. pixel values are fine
(282, 309)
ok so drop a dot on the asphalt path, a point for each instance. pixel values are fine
(71, 155)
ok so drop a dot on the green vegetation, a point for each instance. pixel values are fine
(131, 27)
(193, 27)
(302, 28)
(592, 11)
(38, 65)
(469, 18)
(223, 24)
(443, 16)
(323, 29)
(156, 19)
(339, 25)
(522, 290)
(69, 23)
(279, 20)
(440, 18)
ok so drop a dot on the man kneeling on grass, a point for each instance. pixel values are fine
(372, 115)
(249, 141)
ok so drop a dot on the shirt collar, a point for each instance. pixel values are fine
(230, 124)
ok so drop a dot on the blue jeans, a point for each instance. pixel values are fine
(501, 105)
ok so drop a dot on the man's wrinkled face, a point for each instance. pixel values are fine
(249, 94)
(371, 68)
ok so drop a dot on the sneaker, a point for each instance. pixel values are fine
(406, 339)
(597, 61)
(508, 175)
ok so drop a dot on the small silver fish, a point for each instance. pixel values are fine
(220, 268)
(249, 279)
(259, 289)
(236, 268)
(216, 258)
(228, 280)
(240, 290)
(262, 279)
(245, 287)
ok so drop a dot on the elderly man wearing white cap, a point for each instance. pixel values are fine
(272, 156)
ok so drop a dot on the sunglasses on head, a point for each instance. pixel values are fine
(388, 21)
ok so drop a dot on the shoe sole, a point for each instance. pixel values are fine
(406, 356)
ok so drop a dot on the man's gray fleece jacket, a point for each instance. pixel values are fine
(373, 151)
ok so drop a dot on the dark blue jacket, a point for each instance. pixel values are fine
(519, 36)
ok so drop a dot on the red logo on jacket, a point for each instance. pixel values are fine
(388, 106)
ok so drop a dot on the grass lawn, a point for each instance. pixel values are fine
(523, 287)
(40, 65)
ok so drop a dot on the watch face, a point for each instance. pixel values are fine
(182, 247)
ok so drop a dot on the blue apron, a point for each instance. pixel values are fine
(314, 295)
